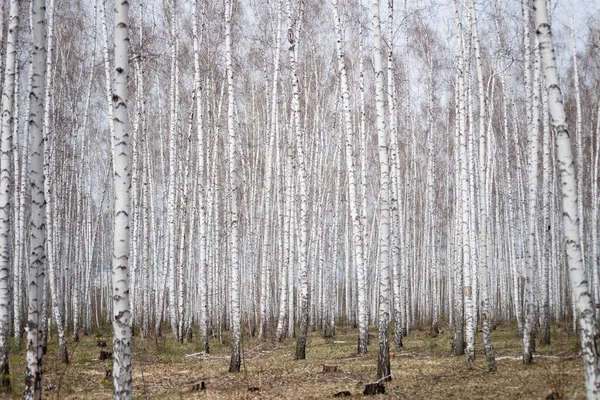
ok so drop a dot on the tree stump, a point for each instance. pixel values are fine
(345, 393)
(108, 374)
(101, 343)
(374, 388)
(195, 387)
(105, 355)
(392, 354)
(330, 368)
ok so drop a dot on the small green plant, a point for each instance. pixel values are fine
(69, 389)
(574, 344)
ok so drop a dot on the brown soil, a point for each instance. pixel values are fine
(423, 369)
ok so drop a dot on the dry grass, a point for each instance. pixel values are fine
(423, 369)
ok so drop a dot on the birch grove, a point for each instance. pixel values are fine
(208, 174)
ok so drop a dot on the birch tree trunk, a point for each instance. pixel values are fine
(578, 137)
(49, 174)
(579, 283)
(6, 187)
(37, 262)
(171, 201)
(265, 291)
(383, 357)
(395, 208)
(234, 365)
(294, 39)
(202, 220)
(357, 235)
(528, 298)
(547, 227)
(121, 153)
(21, 244)
(483, 203)
(462, 187)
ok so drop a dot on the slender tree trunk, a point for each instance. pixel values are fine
(265, 292)
(294, 39)
(20, 225)
(37, 264)
(234, 365)
(383, 359)
(483, 203)
(121, 153)
(49, 174)
(171, 202)
(6, 187)
(545, 318)
(528, 303)
(357, 235)
(579, 283)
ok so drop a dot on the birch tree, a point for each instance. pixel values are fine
(383, 355)
(6, 186)
(578, 277)
(236, 356)
(357, 235)
(294, 39)
(202, 222)
(37, 261)
(121, 155)
(49, 175)
(265, 292)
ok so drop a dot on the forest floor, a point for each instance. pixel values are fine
(423, 369)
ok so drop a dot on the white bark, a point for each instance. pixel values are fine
(578, 137)
(531, 100)
(577, 275)
(171, 197)
(234, 365)
(383, 359)
(37, 264)
(357, 235)
(202, 217)
(6, 187)
(21, 243)
(121, 153)
(269, 184)
(483, 202)
(51, 223)
(293, 39)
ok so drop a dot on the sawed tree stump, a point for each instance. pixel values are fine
(374, 388)
(345, 393)
(330, 368)
(195, 387)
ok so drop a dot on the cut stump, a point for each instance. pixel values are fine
(195, 387)
(374, 388)
(330, 368)
(345, 393)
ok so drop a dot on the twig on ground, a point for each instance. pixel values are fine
(538, 356)
(60, 378)
(205, 356)
(383, 379)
